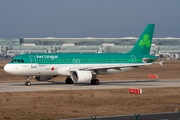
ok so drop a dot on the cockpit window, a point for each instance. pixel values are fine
(13, 61)
(17, 61)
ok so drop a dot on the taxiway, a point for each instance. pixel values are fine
(111, 84)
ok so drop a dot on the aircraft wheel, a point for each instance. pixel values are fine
(69, 81)
(27, 83)
(95, 82)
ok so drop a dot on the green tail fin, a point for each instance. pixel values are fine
(143, 44)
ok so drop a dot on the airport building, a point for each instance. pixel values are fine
(15, 46)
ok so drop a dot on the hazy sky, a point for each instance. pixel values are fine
(88, 18)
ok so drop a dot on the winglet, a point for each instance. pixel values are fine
(161, 63)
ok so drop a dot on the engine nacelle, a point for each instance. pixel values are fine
(81, 76)
(43, 78)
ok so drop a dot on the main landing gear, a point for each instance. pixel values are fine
(28, 83)
(95, 82)
(69, 80)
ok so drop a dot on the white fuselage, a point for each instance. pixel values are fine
(57, 69)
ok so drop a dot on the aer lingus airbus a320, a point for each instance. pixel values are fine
(82, 67)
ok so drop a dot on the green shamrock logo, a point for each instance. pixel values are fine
(145, 42)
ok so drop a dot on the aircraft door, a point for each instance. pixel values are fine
(76, 61)
(133, 58)
(33, 61)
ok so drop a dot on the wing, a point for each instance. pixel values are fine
(106, 67)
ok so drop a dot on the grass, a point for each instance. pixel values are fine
(50, 105)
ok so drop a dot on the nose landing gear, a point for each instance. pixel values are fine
(28, 83)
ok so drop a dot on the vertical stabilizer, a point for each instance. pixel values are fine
(143, 44)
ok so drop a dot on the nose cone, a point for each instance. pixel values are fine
(12, 69)
(7, 68)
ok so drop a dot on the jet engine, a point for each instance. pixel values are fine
(81, 76)
(43, 78)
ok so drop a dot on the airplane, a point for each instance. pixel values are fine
(82, 67)
(164, 56)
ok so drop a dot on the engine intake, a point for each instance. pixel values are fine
(81, 76)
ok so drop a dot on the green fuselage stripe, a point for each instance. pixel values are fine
(81, 58)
